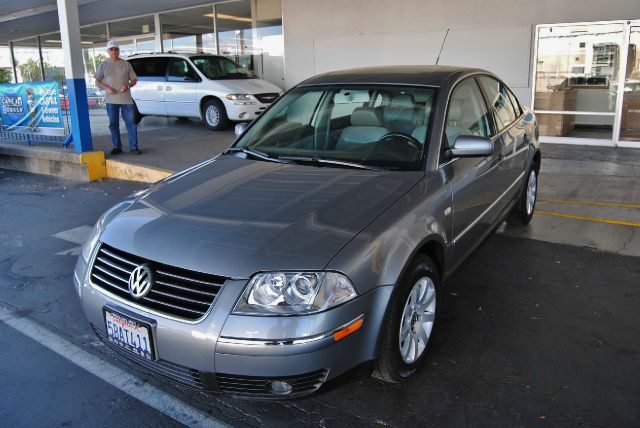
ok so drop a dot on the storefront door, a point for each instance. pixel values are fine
(587, 83)
(630, 108)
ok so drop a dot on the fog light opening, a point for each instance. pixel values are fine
(280, 387)
(243, 115)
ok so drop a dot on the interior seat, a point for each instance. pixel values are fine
(401, 114)
(366, 127)
(454, 121)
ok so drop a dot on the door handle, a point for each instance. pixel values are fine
(159, 87)
(167, 88)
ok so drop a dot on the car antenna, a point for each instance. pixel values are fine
(442, 47)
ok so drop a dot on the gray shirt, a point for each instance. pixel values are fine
(116, 74)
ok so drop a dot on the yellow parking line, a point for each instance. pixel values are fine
(597, 204)
(597, 219)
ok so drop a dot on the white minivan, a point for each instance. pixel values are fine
(211, 87)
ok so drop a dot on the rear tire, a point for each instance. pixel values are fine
(137, 117)
(522, 212)
(409, 322)
(214, 115)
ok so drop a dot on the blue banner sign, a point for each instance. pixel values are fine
(31, 107)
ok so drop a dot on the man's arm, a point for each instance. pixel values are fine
(104, 86)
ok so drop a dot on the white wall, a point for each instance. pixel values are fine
(497, 35)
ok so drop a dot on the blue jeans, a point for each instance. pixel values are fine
(128, 116)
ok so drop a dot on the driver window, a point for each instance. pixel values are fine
(467, 113)
(179, 70)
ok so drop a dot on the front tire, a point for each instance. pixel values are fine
(522, 213)
(409, 323)
(214, 115)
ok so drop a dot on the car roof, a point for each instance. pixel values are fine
(170, 54)
(423, 75)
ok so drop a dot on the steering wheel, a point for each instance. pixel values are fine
(409, 138)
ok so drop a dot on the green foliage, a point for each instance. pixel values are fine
(30, 71)
(6, 76)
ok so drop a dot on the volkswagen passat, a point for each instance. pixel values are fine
(320, 239)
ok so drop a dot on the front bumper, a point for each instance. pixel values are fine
(244, 111)
(242, 355)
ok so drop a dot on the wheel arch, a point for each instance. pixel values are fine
(207, 98)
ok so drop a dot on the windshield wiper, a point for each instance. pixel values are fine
(255, 153)
(322, 161)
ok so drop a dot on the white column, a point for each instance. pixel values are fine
(158, 27)
(74, 73)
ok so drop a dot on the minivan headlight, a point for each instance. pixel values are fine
(289, 293)
(234, 97)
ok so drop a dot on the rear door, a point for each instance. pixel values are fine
(149, 91)
(180, 89)
(510, 135)
(475, 182)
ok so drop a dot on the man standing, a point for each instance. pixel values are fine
(116, 77)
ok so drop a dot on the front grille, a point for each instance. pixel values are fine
(177, 292)
(267, 98)
(178, 373)
(258, 387)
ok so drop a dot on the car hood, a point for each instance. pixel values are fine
(248, 86)
(234, 217)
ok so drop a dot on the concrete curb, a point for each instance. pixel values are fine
(89, 166)
(134, 172)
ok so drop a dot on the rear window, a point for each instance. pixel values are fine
(149, 67)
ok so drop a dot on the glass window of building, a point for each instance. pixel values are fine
(135, 35)
(269, 43)
(236, 33)
(52, 57)
(577, 69)
(6, 69)
(94, 42)
(189, 30)
(27, 59)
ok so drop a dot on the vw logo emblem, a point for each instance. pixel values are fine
(140, 281)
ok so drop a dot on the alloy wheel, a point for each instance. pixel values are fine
(213, 115)
(532, 188)
(417, 321)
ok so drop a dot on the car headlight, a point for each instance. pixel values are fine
(234, 97)
(91, 241)
(294, 293)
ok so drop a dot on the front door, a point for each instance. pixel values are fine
(630, 111)
(475, 182)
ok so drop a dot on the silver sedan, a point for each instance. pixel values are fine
(320, 239)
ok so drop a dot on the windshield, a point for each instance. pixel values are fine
(378, 126)
(219, 67)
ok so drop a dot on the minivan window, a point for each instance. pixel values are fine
(499, 101)
(149, 67)
(179, 70)
(219, 67)
(340, 123)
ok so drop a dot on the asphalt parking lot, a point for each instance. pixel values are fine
(539, 327)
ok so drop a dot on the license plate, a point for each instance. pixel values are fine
(129, 334)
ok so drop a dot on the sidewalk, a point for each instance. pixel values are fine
(166, 143)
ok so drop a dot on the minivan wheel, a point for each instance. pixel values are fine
(409, 324)
(522, 213)
(215, 115)
(137, 117)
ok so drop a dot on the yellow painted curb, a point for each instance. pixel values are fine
(95, 162)
(133, 172)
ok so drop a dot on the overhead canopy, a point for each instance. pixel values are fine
(28, 18)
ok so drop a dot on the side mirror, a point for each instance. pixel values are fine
(240, 128)
(471, 146)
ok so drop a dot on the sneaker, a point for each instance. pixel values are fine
(116, 151)
(136, 151)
